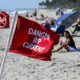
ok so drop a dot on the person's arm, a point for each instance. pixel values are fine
(64, 45)
(61, 47)
(73, 25)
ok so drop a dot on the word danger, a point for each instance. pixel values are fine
(33, 47)
(38, 33)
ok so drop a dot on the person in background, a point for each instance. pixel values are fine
(68, 45)
(59, 11)
(35, 13)
(46, 25)
(27, 14)
(53, 27)
(42, 17)
(49, 22)
(76, 25)
(50, 25)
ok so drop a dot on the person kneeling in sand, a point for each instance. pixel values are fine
(69, 44)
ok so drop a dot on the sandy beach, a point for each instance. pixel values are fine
(63, 66)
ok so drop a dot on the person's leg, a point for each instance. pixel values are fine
(61, 47)
(66, 47)
(71, 49)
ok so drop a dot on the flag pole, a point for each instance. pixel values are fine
(13, 25)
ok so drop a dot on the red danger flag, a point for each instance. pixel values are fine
(33, 40)
(4, 20)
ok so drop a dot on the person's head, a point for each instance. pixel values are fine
(66, 34)
(52, 22)
(78, 20)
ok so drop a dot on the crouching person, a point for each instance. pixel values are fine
(68, 45)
